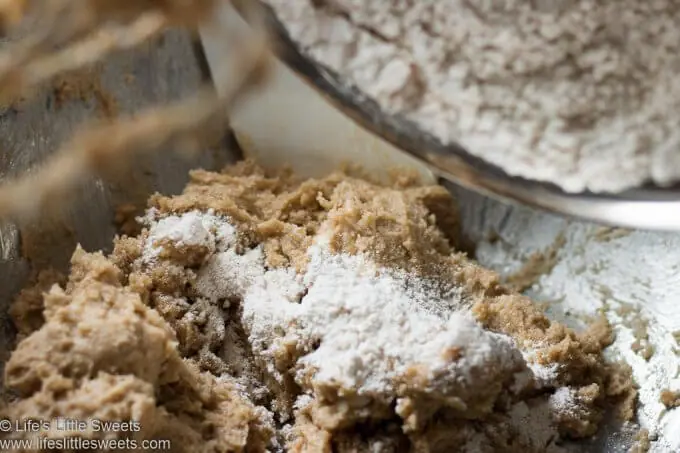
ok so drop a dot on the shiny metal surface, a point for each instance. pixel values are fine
(647, 208)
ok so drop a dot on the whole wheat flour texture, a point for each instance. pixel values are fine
(580, 93)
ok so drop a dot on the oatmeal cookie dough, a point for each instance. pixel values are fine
(262, 311)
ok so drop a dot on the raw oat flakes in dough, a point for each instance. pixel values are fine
(260, 311)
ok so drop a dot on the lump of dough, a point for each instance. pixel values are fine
(102, 354)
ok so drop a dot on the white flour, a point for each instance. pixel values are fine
(228, 274)
(358, 326)
(370, 331)
(581, 93)
(191, 229)
(564, 400)
(639, 270)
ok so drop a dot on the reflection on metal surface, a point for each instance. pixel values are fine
(653, 208)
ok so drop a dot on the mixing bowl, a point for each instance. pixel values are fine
(593, 270)
(647, 207)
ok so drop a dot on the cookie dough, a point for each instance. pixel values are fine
(102, 354)
(262, 312)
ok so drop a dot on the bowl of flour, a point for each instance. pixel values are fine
(564, 106)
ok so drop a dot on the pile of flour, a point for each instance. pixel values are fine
(580, 93)
(370, 329)
(359, 326)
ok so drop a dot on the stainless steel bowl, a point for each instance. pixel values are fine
(647, 207)
(639, 268)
